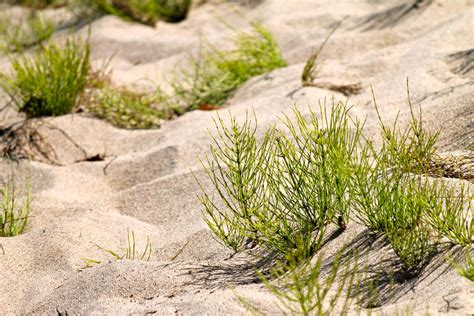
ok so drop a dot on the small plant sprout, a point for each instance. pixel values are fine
(467, 270)
(311, 68)
(130, 252)
(14, 211)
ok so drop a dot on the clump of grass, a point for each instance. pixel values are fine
(18, 35)
(311, 68)
(13, 215)
(305, 289)
(130, 252)
(216, 74)
(127, 109)
(49, 83)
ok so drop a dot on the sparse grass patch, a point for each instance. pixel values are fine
(49, 83)
(311, 68)
(16, 35)
(216, 74)
(14, 212)
(127, 109)
(130, 252)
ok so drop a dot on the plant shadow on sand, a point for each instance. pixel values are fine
(383, 280)
(240, 270)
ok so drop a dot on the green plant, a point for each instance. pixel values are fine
(450, 214)
(283, 192)
(38, 4)
(467, 270)
(13, 216)
(173, 10)
(127, 109)
(305, 289)
(49, 83)
(234, 170)
(144, 11)
(130, 252)
(215, 75)
(18, 35)
(311, 68)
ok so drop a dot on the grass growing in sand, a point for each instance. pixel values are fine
(130, 252)
(467, 269)
(281, 192)
(49, 83)
(216, 74)
(127, 253)
(127, 109)
(14, 212)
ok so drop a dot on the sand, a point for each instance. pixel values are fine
(144, 181)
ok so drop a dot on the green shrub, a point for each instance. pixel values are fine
(49, 83)
(18, 35)
(283, 192)
(127, 109)
(216, 74)
(13, 216)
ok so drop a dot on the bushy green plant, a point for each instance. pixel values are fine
(305, 289)
(450, 213)
(13, 215)
(127, 109)
(215, 75)
(18, 35)
(37, 4)
(48, 84)
(234, 168)
(283, 192)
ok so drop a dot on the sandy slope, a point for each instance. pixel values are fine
(145, 183)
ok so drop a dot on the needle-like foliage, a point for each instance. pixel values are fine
(130, 252)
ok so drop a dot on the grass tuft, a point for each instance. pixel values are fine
(49, 83)
(13, 215)
(216, 74)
